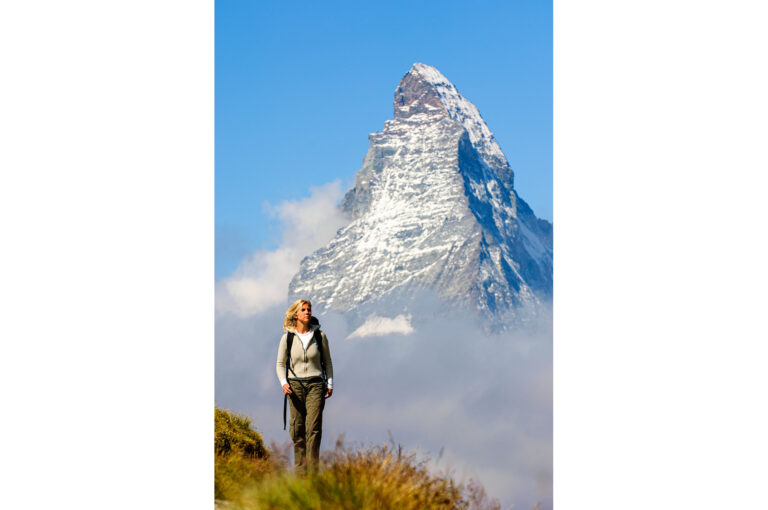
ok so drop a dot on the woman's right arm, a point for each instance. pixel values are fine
(280, 366)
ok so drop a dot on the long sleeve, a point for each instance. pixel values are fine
(328, 361)
(280, 366)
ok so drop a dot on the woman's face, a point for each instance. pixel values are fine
(305, 313)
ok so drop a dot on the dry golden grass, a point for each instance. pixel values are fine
(241, 457)
(350, 478)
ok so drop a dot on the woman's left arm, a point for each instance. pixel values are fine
(328, 365)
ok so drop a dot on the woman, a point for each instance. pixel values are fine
(303, 379)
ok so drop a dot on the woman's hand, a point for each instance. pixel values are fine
(329, 393)
(287, 389)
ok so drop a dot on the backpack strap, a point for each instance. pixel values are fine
(289, 344)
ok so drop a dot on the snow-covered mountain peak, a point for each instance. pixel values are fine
(433, 208)
(429, 73)
(425, 91)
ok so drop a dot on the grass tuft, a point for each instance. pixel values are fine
(372, 478)
(241, 458)
(383, 477)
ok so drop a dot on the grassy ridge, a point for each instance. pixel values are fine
(376, 477)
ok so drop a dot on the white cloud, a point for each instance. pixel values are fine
(262, 279)
(378, 326)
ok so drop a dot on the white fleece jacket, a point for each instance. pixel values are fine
(305, 360)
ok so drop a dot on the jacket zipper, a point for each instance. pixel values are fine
(306, 361)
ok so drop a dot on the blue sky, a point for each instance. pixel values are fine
(300, 86)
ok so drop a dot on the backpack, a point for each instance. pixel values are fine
(318, 338)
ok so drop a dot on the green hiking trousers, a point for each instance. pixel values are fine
(306, 427)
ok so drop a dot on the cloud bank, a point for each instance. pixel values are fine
(262, 279)
(379, 326)
(485, 401)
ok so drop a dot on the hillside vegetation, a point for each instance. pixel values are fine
(241, 457)
(250, 477)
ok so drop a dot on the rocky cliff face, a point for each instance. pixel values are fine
(433, 207)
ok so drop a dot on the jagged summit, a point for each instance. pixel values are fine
(434, 208)
(425, 90)
(429, 73)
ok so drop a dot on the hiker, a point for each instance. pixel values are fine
(307, 380)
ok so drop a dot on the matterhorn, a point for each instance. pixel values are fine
(433, 209)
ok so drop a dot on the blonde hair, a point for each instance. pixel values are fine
(290, 320)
